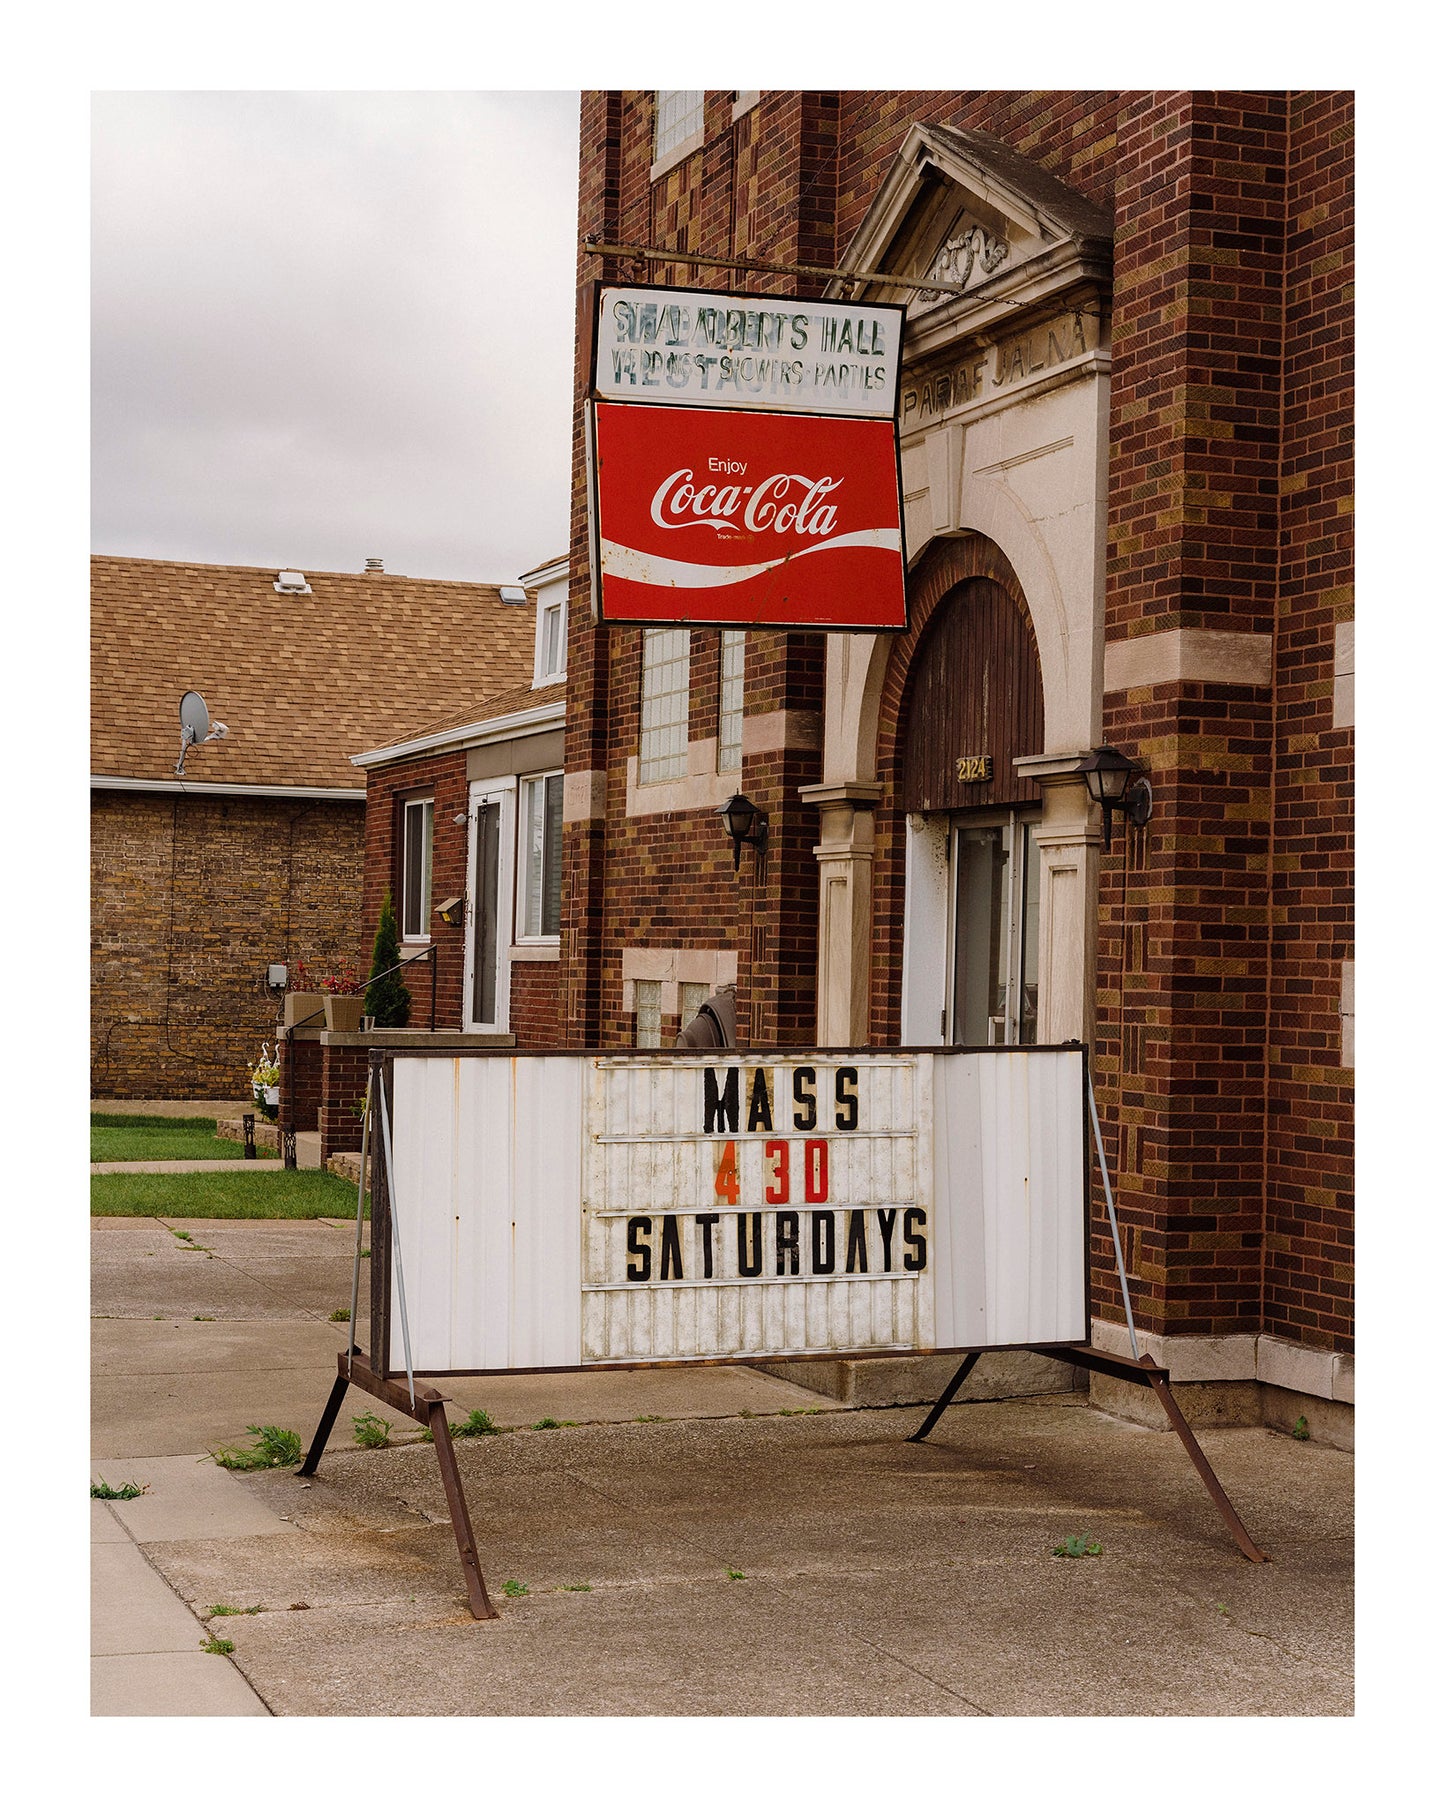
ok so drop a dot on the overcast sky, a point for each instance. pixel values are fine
(331, 326)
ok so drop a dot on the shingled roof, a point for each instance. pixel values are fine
(302, 682)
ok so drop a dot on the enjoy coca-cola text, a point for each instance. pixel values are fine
(785, 503)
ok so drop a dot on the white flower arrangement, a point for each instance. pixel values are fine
(266, 1079)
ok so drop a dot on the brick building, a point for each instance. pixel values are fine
(467, 807)
(1127, 489)
(254, 855)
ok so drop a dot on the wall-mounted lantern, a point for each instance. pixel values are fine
(1116, 782)
(452, 910)
(746, 825)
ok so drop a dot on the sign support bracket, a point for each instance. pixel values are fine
(1145, 1372)
(428, 1408)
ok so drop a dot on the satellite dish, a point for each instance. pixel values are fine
(195, 717)
(196, 726)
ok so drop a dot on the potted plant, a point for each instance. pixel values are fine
(266, 1083)
(336, 993)
(305, 1002)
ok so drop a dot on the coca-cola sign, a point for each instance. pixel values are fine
(747, 519)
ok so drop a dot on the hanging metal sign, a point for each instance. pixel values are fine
(743, 461)
(586, 1210)
(697, 348)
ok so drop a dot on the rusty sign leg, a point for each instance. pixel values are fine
(323, 1429)
(941, 1404)
(429, 1408)
(1160, 1383)
(482, 1607)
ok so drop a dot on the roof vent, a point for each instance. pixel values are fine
(512, 593)
(375, 566)
(292, 583)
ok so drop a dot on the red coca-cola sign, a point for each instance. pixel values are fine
(737, 518)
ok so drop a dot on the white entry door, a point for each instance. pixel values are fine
(994, 956)
(492, 836)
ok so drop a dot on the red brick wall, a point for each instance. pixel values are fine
(192, 898)
(443, 778)
(343, 1083)
(537, 1018)
(1308, 1249)
(1222, 926)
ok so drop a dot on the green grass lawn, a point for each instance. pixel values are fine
(304, 1192)
(117, 1137)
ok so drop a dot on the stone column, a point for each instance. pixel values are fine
(845, 908)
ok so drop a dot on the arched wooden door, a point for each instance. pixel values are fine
(974, 705)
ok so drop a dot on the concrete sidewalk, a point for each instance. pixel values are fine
(699, 1541)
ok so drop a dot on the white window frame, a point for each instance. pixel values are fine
(422, 934)
(669, 145)
(529, 789)
(654, 768)
(551, 606)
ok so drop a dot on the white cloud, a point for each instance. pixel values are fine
(333, 326)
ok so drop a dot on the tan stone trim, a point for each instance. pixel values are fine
(584, 796)
(675, 966)
(780, 729)
(1271, 1360)
(534, 950)
(1344, 715)
(1188, 655)
(704, 787)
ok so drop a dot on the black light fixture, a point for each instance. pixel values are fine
(452, 910)
(1116, 782)
(746, 825)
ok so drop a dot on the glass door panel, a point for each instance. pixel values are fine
(994, 991)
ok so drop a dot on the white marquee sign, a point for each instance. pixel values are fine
(575, 1210)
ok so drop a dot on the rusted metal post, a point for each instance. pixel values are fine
(481, 1605)
(324, 1428)
(427, 1407)
(1159, 1381)
(941, 1403)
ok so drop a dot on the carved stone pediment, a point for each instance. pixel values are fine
(964, 209)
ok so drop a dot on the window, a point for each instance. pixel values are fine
(539, 852)
(663, 749)
(679, 118)
(730, 700)
(647, 1002)
(690, 999)
(550, 662)
(416, 838)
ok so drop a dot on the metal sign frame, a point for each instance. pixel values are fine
(372, 1372)
(591, 301)
(383, 1350)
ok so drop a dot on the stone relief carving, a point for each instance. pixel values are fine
(974, 251)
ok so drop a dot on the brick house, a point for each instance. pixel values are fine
(467, 806)
(254, 855)
(1127, 487)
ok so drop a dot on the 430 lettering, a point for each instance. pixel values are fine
(777, 1173)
